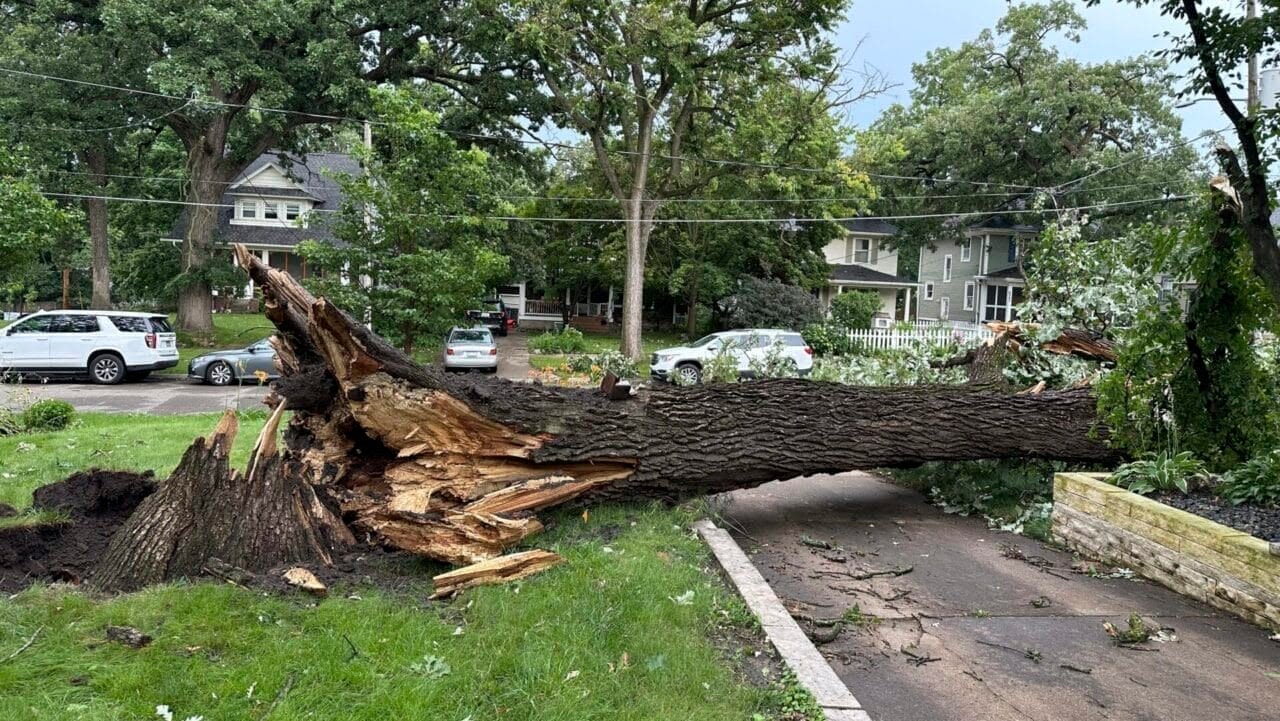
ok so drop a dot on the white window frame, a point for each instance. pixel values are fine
(947, 263)
(848, 251)
(970, 294)
(944, 308)
(966, 250)
(250, 205)
(292, 211)
(928, 290)
(270, 210)
(858, 250)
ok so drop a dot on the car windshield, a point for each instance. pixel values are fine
(471, 336)
(704, 340)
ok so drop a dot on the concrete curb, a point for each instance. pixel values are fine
(810, 668)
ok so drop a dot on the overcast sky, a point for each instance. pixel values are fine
(899, 33)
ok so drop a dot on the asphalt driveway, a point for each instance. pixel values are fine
(987, 626)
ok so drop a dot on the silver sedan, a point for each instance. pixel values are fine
(470, 349)
(244, 365)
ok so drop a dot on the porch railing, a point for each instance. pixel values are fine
(894, 339)
(544, 307)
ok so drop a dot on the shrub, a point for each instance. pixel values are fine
(775, 363)
(569, 340)
(10, 422)
(772, 304)
(1161, 473)
(854, 311)
(48, 415)
(723, 368)
(827, 339)
(1256, 482)
(610, 361)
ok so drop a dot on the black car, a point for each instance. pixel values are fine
(492, 314)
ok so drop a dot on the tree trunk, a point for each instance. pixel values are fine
(66, 288)
(637, 233)
(99, 241)
(195, 298)
(455, 467)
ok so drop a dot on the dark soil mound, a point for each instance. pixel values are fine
(96, 502)
(1259, 521)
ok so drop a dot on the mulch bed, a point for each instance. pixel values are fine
(1258, 521)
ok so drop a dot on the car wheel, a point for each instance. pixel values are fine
(219, 373)
(689, 373)
(135, 376)
(106, 369)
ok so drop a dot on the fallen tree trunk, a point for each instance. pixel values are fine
(454, 467)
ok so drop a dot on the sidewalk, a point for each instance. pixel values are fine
(975, 645)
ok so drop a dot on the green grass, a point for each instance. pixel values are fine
(598, 343)
(131, 442)
(599, 637)
(230, 330)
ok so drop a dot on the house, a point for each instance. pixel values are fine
(862, 259)
(976, 276)
(280, 200)
(277, 202)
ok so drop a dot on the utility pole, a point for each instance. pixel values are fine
(1251, 14)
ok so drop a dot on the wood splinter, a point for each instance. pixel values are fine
(495, 570)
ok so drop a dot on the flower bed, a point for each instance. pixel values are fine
(1207, 561)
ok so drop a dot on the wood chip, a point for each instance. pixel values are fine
(299, 577)
(495, 570)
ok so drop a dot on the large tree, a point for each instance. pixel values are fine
(635, 78)
(1008, 119)
(1219, 45)
(308, 62)
(83, 131)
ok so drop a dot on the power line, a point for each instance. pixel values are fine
(662, 221)
(547, 144)
(608, 199)
(1140, 156)
(135, 124)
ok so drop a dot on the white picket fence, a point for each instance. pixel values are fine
(894, 339)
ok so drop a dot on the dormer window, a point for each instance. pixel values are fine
(270, 210)
(857, 250)
(247, 209)
(292, 211)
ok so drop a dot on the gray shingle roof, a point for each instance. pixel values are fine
(1003, 222)
(869, 225)
(1012, 271)
(863, 274)
(315, 172)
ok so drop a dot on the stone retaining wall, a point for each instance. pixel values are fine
(1207, 561)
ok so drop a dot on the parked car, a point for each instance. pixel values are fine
(225, 367)
(471, 349)
(493, 315)
(108, 346)
(685, 363)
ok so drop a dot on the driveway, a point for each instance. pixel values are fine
(987, 626)
(171, 394)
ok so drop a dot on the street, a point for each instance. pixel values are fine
(168, 394)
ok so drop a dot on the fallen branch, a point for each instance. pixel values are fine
(23, 647)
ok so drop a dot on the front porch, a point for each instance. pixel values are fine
(536, 308)
(895, 298)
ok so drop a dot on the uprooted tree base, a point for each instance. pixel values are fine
(454, 468)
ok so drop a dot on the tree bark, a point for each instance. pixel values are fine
(455, 467)
(99, 242)
(195, 298)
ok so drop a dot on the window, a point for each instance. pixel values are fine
(270, 210)
(1013, 249)
(970, 294)
(129, 323)
(74, 323)
(945, 312)
(292, 211)
(160, 324)
(946, 269)
(1000, 303)
(966, 250)
(39, 324)
(928, 291)
(862, 250)
(247, 209)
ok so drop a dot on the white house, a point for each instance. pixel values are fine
(862, 259)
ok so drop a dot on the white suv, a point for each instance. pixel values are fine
(106, 345)
(685, 363)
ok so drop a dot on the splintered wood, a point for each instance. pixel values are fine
(495, 570)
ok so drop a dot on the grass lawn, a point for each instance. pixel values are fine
(622, 630)
(597, 343)
(230, 330)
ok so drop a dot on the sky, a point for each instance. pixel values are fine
(897, 33)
